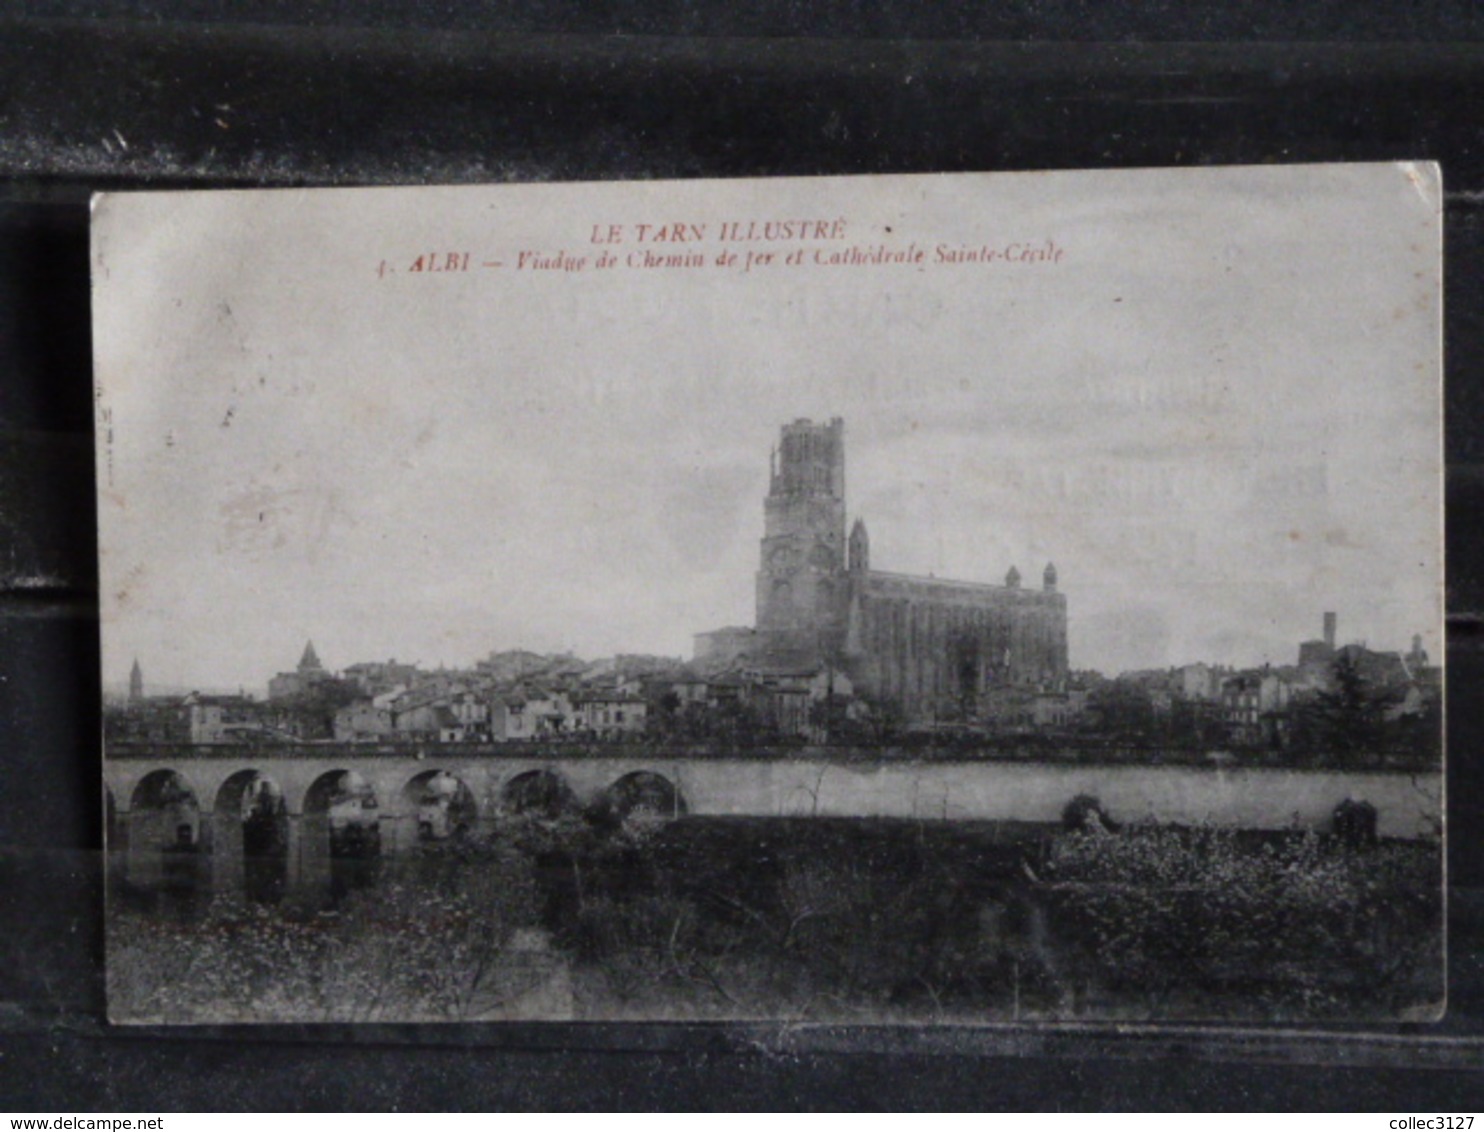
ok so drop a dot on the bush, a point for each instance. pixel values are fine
(1210, 922)
(429, 944)
(1355, 823)
(1085, 814)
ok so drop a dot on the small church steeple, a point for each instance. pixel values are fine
(1048, 578)
(309, 662)
(136, 683)
(1012, 579)
(859, 558)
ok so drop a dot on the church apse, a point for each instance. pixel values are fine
(935, 647)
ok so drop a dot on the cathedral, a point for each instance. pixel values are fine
(937, 649)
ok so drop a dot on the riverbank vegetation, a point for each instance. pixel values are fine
(816, 920)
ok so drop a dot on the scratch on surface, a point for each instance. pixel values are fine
(33, 582)
(1427, 179)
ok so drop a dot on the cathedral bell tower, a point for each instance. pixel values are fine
(800, 579)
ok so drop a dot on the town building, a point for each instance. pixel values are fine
(1199, 681)
(610, 713)
(221, 719)
(530, 714)
(363, 722)
(375, 677)
(1249, 703)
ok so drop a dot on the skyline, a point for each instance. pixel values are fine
(120, 688)
(579, 464)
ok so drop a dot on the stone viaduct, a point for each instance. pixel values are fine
(163, 795)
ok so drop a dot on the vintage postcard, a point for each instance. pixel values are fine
(966, 598)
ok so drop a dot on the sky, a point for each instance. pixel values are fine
(1213, 402)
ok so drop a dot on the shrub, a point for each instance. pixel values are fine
(1355, 823)
(430, 944)
(1289, 927)
(1085, 814)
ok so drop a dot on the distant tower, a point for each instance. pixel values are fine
(1012, 579)
(1329, 631)
(309, 664)
(1048, 578)
(859, 559)
(799, 591)
(136, 683)
(1417, 658)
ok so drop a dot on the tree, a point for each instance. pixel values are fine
(884, 721)
(314, 708)
(1348, 717)
(1126, 710)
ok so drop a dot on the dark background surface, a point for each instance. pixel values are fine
(198, 93)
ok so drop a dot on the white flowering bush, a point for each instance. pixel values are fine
(433, 944)
(1284, 927)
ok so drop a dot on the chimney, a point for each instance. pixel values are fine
(1329, 631)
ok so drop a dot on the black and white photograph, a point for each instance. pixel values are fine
(910, 599)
